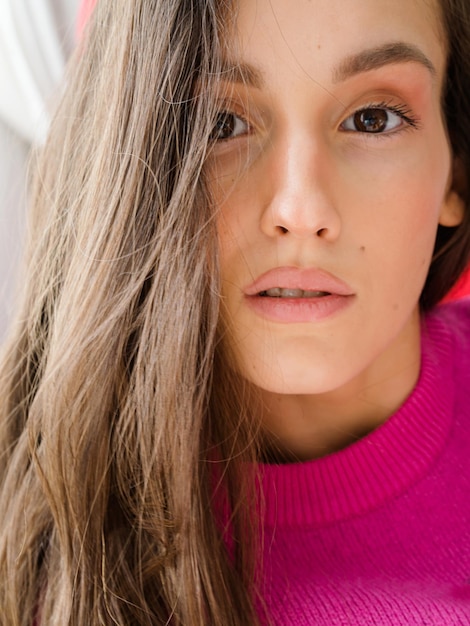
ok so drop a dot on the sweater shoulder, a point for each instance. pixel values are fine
(451, 312)
(452, 325)
(453, 320)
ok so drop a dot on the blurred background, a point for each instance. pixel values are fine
(36, 39)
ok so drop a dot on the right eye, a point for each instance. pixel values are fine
(228, 126)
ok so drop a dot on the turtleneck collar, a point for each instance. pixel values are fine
(379, 466)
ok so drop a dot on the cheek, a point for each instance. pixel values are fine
(238, 232)
(233, 261)
(400, 247)
(421, 205)
(403, 204)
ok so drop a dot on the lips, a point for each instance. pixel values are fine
(291, 295)
(294, 282)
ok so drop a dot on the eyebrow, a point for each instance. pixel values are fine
(241, 73)
(374, 58)
(364, 61)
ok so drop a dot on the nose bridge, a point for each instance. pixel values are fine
(302, 201)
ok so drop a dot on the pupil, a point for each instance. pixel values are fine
(224, 126)
(371, 120)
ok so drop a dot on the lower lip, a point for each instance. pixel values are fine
(299, 310)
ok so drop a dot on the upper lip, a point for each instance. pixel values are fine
(307, 279)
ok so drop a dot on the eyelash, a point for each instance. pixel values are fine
(401, 110)
(227, 114)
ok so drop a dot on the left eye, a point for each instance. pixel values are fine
(373, 120)
(228, 126)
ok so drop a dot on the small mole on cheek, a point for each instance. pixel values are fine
(362, 249)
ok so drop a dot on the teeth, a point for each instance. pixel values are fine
(273, 293)
(291, 293)
(315, 294)
(279, 292)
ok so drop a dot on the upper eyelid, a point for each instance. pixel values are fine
(232, 102)
(239, 115)
(398, 108)
(241, 103)
(249, 115)
(383, 104)
(257, 119)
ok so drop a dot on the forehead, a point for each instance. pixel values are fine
(313, 36)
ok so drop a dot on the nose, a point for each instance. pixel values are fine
(301, 197)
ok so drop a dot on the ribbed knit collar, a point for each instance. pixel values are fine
(379, 466)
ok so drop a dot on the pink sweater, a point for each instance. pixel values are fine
(379, 533)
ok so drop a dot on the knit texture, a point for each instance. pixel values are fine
(378, 533)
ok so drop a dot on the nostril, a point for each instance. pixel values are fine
(321, 231)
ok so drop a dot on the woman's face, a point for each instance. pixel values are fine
(332, 170)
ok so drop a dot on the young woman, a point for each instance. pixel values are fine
(230, 397)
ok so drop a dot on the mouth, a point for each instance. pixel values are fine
(297, 283)
(298, 295)
(282, 292)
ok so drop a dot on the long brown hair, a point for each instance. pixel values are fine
(122, 430)
(108, 415)
(452, 249)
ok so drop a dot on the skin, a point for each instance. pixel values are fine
(299, 184)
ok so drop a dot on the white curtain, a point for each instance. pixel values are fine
(36, 38)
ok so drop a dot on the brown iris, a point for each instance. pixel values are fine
(223, 127)
(371, 120)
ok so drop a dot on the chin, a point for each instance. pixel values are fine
(296, 380)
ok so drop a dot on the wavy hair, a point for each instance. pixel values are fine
(108, 411)
(125, 439)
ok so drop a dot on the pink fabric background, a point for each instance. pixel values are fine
(84, 13)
